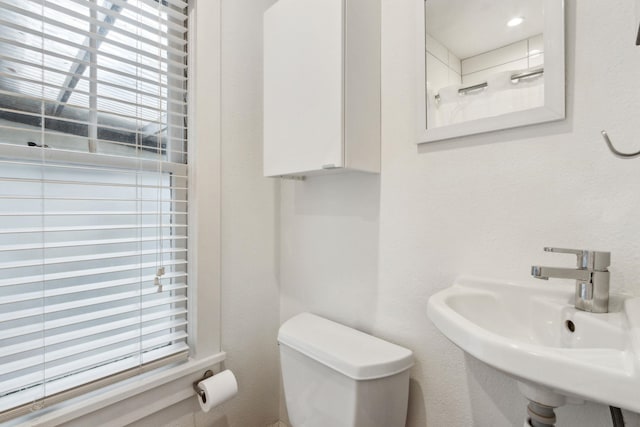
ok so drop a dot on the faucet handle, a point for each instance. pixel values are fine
(590, 260)
(564, 251)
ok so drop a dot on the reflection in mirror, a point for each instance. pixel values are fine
(483, 59)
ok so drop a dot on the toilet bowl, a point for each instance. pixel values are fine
(337, 376)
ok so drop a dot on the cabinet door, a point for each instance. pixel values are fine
(303, 86)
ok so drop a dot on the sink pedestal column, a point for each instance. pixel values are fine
(542, 402)
(540, 415)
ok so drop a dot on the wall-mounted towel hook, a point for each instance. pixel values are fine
(616, 152)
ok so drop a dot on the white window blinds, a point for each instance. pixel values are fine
(93, 194)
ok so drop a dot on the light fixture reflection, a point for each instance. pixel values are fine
(514, 22)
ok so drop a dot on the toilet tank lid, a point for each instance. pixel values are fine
(353, 353)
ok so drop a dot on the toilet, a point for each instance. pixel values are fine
(336, 376)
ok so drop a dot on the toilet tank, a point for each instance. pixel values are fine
(337, 376)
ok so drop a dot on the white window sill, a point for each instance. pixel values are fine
(176, 382)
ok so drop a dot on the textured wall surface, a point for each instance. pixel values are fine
(369, 251)
(249, 216)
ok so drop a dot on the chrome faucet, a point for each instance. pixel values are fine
(591, 276)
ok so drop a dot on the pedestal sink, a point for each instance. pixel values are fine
(534, 334)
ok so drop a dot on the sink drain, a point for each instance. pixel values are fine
(570, 326)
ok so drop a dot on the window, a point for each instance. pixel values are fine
(93, 194)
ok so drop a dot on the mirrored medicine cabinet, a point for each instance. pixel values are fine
(487, 65)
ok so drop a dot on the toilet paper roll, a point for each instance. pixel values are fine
(217, 390)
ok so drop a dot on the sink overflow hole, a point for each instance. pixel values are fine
(570, 325)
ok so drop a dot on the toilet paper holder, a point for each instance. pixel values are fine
(196, 385)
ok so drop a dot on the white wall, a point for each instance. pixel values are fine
(250, 293)
(369, 251)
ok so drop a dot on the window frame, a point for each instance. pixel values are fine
(165, 386)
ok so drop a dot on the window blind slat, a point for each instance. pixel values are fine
(71, 290)
(80, 334)
(105, 357)
(115, 28)
(174, 8)
(86, 228)
(94, 344)
(123, 72)
(90, 317)
(105, 327)
(82, 258)
(178, 65)
(81, 273)
(110, 326)
(95, 199)
(60, 159)
(179, 29)
(92, 243)
(144, 100)
(160, 122)
(97, 183)
(90, 213)
(100, 329)
(144, 105)
(147, 357)
(29, 135)
(151, 92)
(118, 297)
(63, 370)
(22, 11)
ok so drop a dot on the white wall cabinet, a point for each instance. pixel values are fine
(321, 87)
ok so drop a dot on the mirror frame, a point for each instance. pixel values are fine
(554, 83)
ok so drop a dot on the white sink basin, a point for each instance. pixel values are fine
(525, 331)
